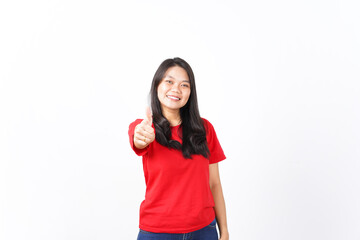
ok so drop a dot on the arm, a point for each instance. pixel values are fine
(220, 210)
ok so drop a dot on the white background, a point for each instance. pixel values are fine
(279, 80)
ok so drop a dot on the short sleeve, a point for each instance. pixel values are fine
(216, 151)
(139, 152)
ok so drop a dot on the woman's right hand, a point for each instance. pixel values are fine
(144, 133)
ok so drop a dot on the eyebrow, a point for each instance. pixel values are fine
(169, 76)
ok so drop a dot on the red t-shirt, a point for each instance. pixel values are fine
(178, 198)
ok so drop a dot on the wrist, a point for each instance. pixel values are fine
(224, 231)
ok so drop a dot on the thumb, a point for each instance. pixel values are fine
(148, 115)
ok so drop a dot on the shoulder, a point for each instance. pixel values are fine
(207, 124)
(206, 121)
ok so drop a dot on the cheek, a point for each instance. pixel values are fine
(160, 90)
(187, 95)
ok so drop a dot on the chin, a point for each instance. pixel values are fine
(172, 107)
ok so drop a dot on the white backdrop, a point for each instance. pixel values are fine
(279, 80)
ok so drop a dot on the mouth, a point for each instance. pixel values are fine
(173, 97)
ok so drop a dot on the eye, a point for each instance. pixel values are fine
(185, 85)
(169, 81)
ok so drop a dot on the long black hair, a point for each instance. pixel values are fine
(193, 130)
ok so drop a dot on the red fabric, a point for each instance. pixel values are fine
(178, 198)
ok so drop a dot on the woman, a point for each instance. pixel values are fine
(180, 154)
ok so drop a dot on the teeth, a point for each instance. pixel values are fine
(175, 98)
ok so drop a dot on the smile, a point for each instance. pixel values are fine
(173, 97)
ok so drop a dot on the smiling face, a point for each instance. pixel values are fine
(174, 89)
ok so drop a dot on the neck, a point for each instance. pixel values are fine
(173, 116)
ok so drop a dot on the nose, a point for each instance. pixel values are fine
(175, 88)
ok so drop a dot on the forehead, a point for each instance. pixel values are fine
(176, 73)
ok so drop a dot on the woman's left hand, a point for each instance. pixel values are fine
(224, 236)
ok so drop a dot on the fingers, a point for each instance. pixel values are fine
(144, 126)
(141, 132)
(143, 139)
(148, 129)
(148, 115)
(140, 143)
(140, 137)
(144, 132)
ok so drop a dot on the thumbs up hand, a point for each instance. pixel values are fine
(144, 133)
(148, 116)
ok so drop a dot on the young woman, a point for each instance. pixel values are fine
(180, 154)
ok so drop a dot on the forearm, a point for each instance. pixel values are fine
(220, 209)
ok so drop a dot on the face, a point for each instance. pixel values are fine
(174, 89)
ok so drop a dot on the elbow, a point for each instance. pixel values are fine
(215, 185)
